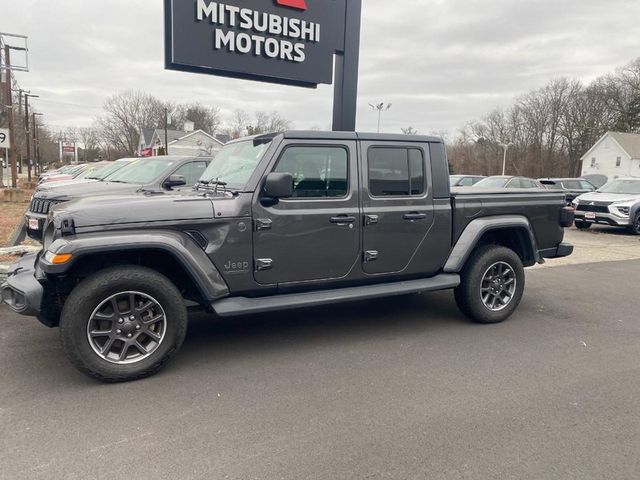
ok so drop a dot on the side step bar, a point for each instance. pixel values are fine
(232, 306)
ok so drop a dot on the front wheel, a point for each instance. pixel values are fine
(492, 284)
(123, 323)
(634, 228)
(580, 225)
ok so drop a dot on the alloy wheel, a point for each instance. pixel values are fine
(498, 286)
(127, 327)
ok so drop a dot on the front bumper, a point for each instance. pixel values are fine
(22, 292)
(604, 219)
(34, 224)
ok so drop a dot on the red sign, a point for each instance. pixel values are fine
(297, 4)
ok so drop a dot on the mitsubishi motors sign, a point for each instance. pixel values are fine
(281, 41)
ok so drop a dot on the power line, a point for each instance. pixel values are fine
(81, 105)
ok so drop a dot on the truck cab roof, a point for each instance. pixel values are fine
(329, 135)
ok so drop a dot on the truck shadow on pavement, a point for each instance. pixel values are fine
(210, 338)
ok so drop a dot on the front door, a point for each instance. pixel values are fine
(397, 204)
(315, 235)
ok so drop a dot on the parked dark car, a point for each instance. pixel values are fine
(145, 174)
(280, 221)
(464, 180)
(502, 181)
(572, 187)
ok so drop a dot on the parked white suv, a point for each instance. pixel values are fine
(617, 203)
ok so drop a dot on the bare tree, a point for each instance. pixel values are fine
(204, 118)
(125, 114)
(409, 130)
(268, 123)
(238, 125)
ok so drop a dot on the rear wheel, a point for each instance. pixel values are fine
(123, 323)
(492, 284)
(580, 225)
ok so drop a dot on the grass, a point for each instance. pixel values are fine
(11, 215)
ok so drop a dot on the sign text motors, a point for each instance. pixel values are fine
(281, 41)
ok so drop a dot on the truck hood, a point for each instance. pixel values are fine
(77, 190)
(63, 184)
(608, 197)
(102, 211)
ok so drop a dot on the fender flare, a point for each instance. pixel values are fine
(180, 246)
(474, 231)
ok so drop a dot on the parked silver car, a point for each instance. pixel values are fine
(617, 203)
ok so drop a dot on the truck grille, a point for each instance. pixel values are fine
(42, 205)
(582, 207)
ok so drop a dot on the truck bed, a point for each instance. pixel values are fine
(541, 207)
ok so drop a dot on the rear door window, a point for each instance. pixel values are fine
(396, 171)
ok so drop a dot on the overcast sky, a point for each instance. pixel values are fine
(440, 62)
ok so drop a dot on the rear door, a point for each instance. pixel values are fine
(315, 235)
(397, 204)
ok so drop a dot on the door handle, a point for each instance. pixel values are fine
(342, 220)
(414, 216)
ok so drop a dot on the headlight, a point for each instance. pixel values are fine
(621, 209)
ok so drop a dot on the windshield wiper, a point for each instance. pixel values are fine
(214, 184)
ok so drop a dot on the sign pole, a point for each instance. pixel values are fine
(345, 93)
(9, 106)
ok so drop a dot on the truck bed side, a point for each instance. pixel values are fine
(540, 207)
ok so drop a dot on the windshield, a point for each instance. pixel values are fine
(104, 172)
(235, 163)
(453, 179)
(497, 182)
(142, 171)
(629, 187)
(88, 172)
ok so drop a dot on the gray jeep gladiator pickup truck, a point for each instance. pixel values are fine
(279, 221)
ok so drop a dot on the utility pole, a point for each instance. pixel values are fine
(28, 133)
(36, 144)
(9, 106)
(166, 131)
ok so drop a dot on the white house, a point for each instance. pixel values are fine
(196, 143)
(614, 155)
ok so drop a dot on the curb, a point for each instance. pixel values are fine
(18, 235)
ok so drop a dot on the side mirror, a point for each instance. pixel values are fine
(174, 181)
(278, 185)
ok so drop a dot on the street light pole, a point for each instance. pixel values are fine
(380, 107)
(505, 146)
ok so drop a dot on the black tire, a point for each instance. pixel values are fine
(469, 296)
(634, 228)
(580, 225)
(84, 301)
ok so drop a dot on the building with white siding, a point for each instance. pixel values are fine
(196, 143)
(614, 155)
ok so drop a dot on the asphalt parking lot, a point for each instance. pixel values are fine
(390, 389)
